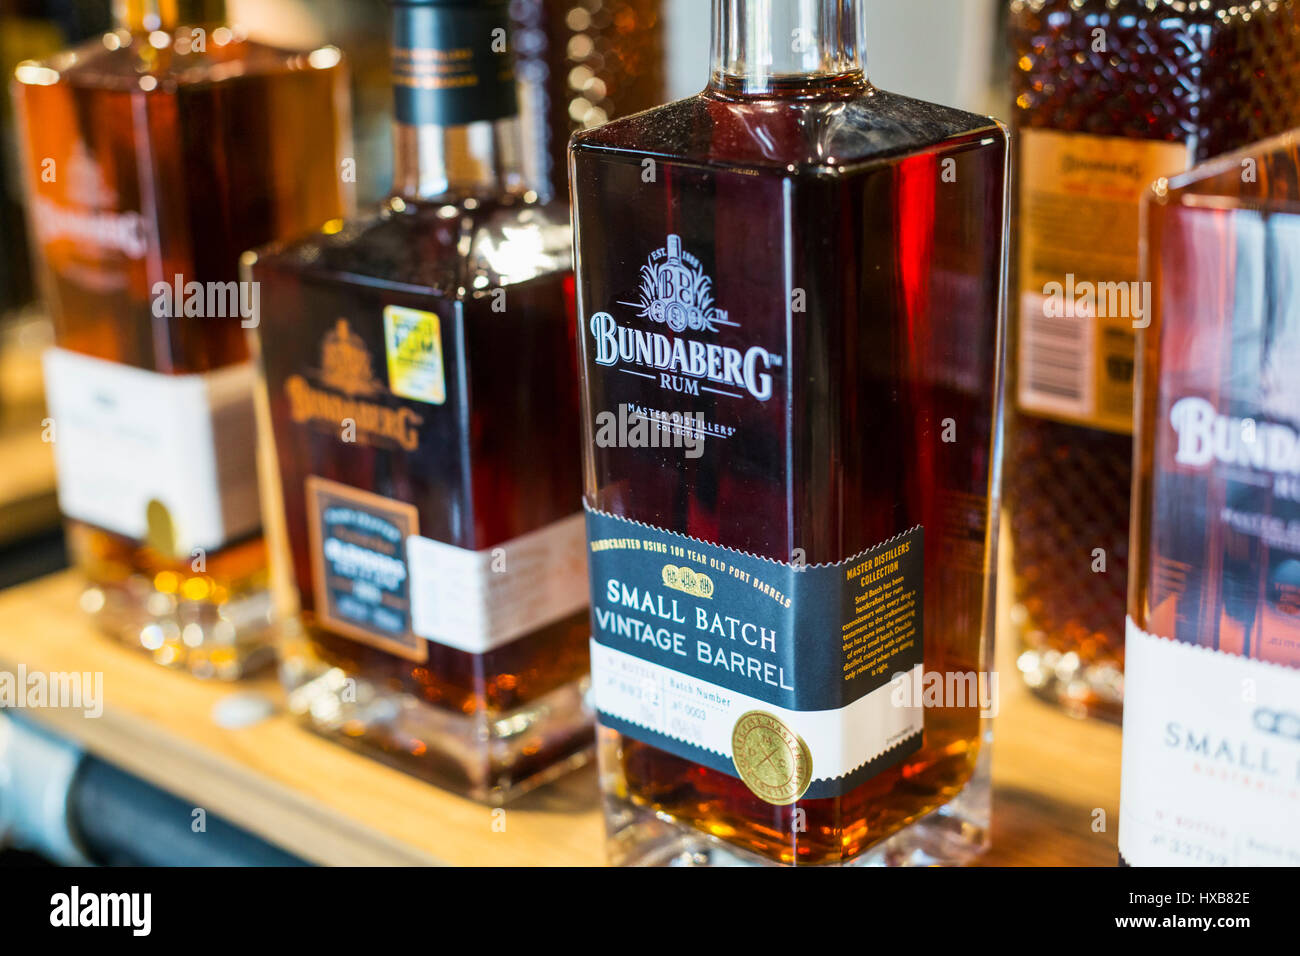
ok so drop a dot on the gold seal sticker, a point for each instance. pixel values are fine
(772, 759)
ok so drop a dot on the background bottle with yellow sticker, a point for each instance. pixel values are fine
(420, 382)
(153, 156)
(1110, 95)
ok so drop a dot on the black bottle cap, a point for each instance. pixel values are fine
(452, 61)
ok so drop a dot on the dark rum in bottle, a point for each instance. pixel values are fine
(421, 390)
(790, 293)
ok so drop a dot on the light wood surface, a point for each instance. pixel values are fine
(274, 778)
(328, 805)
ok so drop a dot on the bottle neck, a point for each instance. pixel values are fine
(473, 159)
(145, 16)
(456, 132)
(763, 47)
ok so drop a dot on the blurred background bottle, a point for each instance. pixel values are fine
(30, 29)
(582, 63)
(153, 156)
(421, 387)
(1109, 95)
(1214, 607)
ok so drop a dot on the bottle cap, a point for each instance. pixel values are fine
(452, 62)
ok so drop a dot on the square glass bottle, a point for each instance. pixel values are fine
(790, 313)
(1110, 95)
(420, 371)
(1211, 730)
(153, 157)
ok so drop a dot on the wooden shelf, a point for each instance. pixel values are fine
(328, 805)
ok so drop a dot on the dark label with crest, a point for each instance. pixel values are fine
(452, 62)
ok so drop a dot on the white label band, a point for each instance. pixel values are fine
(476, 601)
(704, 714)
(1211, 757)
(125, 437)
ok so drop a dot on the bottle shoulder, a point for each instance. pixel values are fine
(793, 135)
(1263, 176)
(446, 249)
(123, 61)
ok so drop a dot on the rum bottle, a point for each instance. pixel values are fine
(1110, 95)
(154, 155)
(420, 372)
(789, 299)
(1212, 713)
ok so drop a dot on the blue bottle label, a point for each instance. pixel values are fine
(359, 561)
(781, 674)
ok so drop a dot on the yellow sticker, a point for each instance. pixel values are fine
(414, 345)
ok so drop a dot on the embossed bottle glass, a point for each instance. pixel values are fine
(421, 388)
(790, 313)
(580, 64)
(1110, 94)
(1212, 715)
(153, 157)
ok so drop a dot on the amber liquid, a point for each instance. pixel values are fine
(498, 460)
(1226, 332)
(1173, 75)
(901, 273)
(217, 152)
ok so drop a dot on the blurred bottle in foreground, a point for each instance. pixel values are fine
(1212, 715)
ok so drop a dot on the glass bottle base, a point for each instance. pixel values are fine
(491, 758)
(222, 641)
(1080, 688)
(955, 834)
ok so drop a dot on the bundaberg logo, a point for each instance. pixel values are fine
(688, 581)
(676, 294)
(89, 216)
(346, 368)
(1206, 437)
(345, 362)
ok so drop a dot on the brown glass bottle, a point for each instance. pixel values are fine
(809, 269)
(420, 376)
(1109, 96)
(1211, 729)
(582, 63)
(154, 156)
